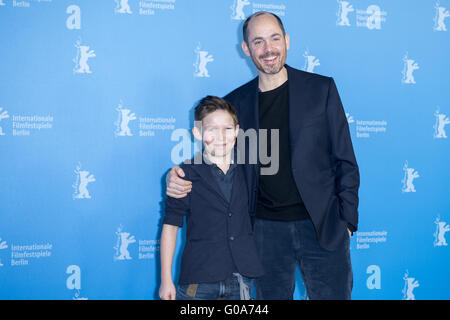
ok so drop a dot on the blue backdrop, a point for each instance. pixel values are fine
(95, 101)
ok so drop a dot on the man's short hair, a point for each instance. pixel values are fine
(257, 14)
(209, 104)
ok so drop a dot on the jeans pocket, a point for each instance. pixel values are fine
(186, 291)
(208, 291)
(198, 291)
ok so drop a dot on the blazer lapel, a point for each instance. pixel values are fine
(298, 103)
(248, 107)
(204, 171)
(249, 119)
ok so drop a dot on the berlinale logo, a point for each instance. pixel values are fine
(124, 117)
(410, 284)
(439, 126)
(124, 239)
(310, 62)
(3, 245)
(442, 228)
(441, 14)
(202, 59)
(238, 9)
(409, 66)
(122, 6)
(81, 59)
(83, 178)
(409, 175)
(3, 115)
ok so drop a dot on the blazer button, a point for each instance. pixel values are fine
(231, 238)
(230, 214)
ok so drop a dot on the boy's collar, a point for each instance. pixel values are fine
(207, 161)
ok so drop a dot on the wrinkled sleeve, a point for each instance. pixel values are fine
(177, 209)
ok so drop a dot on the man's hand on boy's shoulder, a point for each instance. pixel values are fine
(176, 186)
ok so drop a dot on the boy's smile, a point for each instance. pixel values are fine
(218, 133)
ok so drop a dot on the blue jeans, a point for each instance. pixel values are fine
(237, 287)
(283, 246)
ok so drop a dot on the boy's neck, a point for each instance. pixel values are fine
(223, 162)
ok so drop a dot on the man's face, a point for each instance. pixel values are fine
(266, 44)
(218, 133)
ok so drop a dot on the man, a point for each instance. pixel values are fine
(305, 213)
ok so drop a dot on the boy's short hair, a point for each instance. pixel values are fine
(209, 104)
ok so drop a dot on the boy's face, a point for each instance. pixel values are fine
(218, 133)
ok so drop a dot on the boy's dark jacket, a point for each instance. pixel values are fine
(219, 234)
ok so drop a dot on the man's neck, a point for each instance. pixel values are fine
(269, 82)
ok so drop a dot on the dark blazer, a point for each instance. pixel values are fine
(323, 162)
(219, 234)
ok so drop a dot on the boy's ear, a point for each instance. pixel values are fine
(196, 132)
(237, 130)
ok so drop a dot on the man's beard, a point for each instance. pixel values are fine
(269, 69)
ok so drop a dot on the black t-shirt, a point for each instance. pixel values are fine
(278, 197)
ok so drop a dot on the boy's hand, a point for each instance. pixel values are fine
(167, 291)
(177, 187)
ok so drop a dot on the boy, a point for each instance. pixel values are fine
(220, 255)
